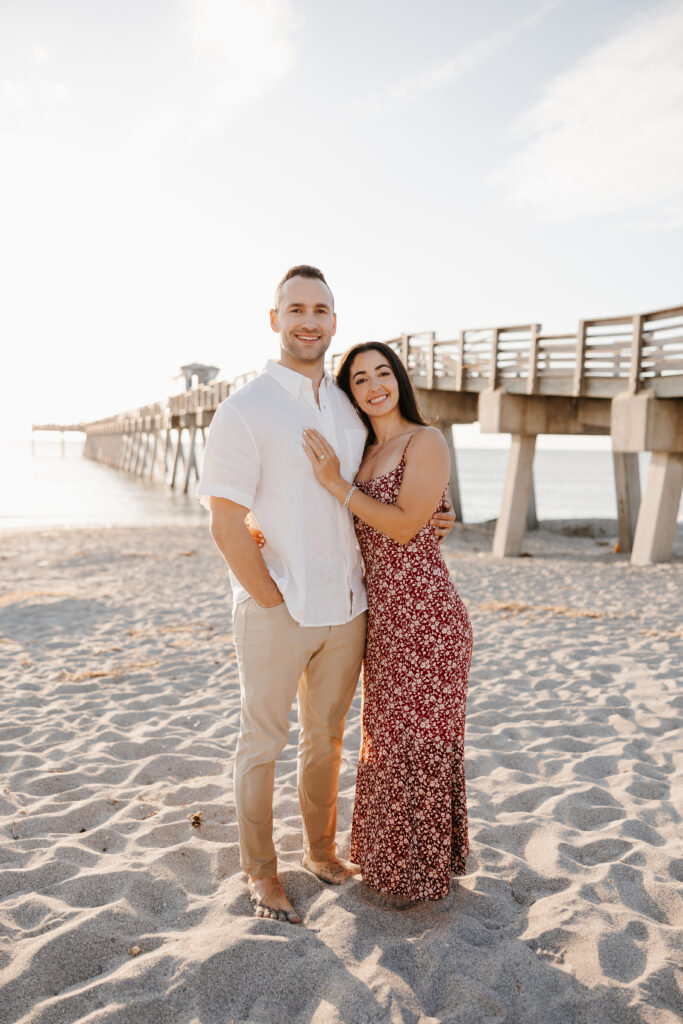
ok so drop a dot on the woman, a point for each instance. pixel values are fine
(410, 816)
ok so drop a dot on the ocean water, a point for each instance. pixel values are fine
(58, 487)
(567, 484)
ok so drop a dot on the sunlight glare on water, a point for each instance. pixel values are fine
(51, 489)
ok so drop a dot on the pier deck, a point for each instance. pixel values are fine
(621, 376)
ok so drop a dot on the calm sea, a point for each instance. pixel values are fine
(55, 488)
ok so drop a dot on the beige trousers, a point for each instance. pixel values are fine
(279, 659)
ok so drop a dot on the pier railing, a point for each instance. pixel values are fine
(512, 379)
(603, 358)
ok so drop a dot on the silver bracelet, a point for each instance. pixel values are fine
(347, 499)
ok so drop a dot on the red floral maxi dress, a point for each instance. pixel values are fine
(410, 816)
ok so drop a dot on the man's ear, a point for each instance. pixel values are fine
(334, 324)
(273, 321)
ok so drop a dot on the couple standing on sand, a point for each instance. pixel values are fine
(311, 458)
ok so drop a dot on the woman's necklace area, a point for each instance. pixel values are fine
(371, 458)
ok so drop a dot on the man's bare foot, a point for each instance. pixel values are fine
(269, 900)
(333, 871)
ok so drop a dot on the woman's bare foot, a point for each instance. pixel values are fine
(333, 871)
(390, 901)
(400, 902)
(269, 900)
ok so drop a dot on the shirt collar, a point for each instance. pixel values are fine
(292, 381)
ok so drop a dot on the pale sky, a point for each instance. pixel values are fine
(448, 165)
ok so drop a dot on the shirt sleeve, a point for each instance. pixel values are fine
(231, 465)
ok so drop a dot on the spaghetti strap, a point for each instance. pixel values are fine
(407, 443)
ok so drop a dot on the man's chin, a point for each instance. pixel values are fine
(308, 355)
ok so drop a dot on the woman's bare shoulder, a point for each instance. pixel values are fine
(427, 441)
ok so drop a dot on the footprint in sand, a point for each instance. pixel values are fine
(599, 852)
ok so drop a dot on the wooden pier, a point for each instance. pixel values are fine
(621, 376)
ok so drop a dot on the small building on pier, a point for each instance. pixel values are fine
(196, 374)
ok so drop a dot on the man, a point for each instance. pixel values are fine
(300, 602)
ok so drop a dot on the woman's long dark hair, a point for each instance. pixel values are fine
(407, 402)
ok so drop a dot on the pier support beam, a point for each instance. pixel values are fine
(155, 452)
(139, 452)
(122, 450)
(531, 517)
(644, 422)
(191, 463)
(144, 452)
(656, 528)
(454, 486)
(178, 454)
(168, 450)
(511, 522)
(132, 452)
(627, 483)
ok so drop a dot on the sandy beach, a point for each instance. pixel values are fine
(121, 898)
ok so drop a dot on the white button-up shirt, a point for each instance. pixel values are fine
(254, 457)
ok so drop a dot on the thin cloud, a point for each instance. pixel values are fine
(446, 72)
(249, 48)
(607, 136)
(13, 95)
(40, 94)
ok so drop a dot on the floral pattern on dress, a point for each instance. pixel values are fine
(409, 828)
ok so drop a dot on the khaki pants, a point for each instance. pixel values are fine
(279, 659)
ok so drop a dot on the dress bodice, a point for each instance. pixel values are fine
(378, 549)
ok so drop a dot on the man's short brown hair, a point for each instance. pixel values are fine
(303, 270)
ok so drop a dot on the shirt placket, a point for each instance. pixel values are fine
(318, 412)
(329, 430)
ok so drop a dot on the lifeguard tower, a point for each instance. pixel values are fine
(196, 374)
